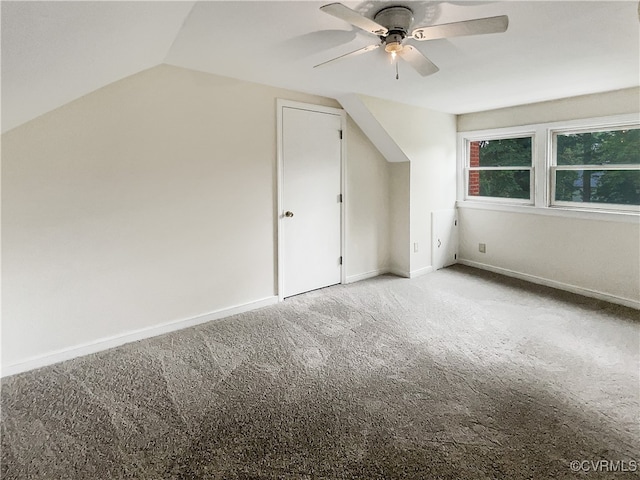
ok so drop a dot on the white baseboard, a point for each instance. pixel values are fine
(364, 276)
(627, 302)
(420, 271)
(128, 337)
(412, 274)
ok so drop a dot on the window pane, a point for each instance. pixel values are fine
(598, 186)
(500, 183)
(599, 148)
(508, 152)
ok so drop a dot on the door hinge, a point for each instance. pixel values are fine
(340, 134)
(340, 260)
(340, 198)
(455, 223)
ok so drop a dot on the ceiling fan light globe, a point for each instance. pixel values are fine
(393, 47)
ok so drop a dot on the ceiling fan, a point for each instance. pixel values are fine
(392, 25)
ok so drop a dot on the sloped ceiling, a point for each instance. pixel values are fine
(54, 52)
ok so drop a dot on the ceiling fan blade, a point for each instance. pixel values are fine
(417, 60)
(354, 18)
(350, 54)
(478, 26)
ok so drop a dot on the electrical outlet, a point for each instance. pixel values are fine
(482, 247)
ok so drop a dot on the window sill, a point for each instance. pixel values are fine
(565, 212)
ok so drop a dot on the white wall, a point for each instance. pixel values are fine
(368, 203)
(428, 139)
(150, 201)
(599, 258)
(399, 224)
(585, 106)
(590, 256)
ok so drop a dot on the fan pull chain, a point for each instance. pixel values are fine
(397, 74)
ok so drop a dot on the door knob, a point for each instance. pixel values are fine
(288, 214)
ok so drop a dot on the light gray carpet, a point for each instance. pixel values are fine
(458, 374)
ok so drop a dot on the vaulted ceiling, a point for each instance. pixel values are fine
(55, 52)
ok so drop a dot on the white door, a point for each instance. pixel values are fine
(310, 216)
(444, 238)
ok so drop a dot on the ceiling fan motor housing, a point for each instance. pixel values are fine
(397, 20)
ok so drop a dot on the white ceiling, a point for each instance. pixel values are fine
(54, 52)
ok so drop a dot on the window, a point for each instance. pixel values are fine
(500, 168)
(587, 168)
(596, 168)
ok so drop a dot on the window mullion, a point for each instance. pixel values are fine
(540, 162)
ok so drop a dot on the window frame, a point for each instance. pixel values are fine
(554, 168)
(543, 161)
(468, 168)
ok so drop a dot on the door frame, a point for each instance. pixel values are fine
(281, 104)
